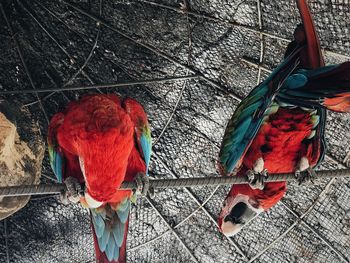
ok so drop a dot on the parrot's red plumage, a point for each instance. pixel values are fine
(102, 140)
(279, 126)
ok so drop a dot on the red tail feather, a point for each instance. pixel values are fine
(313, 57)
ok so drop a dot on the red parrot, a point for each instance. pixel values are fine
(279, 126)
(101, 141)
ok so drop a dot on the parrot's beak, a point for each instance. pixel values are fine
(236, 213)
(240, 214)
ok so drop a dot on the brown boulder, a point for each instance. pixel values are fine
(20, 158)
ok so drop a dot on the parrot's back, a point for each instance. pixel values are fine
(102, 140)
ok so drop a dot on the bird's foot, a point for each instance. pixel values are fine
(257, 179)
(304, 173)
(73, 191)
(305, 176)
(143, 186)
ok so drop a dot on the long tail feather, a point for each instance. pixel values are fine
(101, 257)
(110, 228)
(313, 56)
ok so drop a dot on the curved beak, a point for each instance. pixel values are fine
(240, 214)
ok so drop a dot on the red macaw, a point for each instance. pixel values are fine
(279, 126)
(102, 140)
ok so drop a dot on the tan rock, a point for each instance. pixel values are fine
(20, 163)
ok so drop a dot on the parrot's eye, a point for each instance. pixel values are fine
(253, 203)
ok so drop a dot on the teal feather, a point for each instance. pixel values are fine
(99, 224)
(259, 92)
(56, 162)
(301, 94)
(116, 253)
(98, 219)
(123, 211)
(111, 246)
(239, 132)
(295, 81)
(118, 233)
(110, 232)
(123, 205)
(146, 145)
(248, 111)
(316, 72)
(235, 139)
(102, 242)
(58, 167)
(234, 157)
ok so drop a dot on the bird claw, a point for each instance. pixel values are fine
(305, 176)
(257, 180)
(73, 191)
(143, 187)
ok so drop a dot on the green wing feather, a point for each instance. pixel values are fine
(57, 160)
(250, 114)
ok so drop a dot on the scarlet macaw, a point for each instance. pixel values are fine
(279, 126)
(102, 140)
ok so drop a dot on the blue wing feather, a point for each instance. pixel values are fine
(146, 146)
(288, 86)
(142, 129)
(295, 81)
(56, 161)
(58, 166)
(247, 119)
(56, 157)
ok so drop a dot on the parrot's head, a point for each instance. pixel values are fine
(104, 154)
(244, 204)
(238, 209)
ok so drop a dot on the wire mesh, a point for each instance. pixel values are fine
(299, 245)
(331, 216)
(140, 39)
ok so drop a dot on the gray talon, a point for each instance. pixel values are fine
(250, 174)
(305, 176)
(73, 191)
(257, 180)
(142, 182)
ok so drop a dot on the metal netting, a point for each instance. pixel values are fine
(230, 46)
